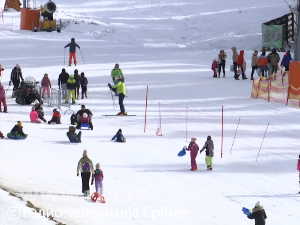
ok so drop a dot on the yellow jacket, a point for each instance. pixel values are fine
(121, 88)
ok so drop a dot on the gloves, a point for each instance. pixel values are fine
(184, 147)
(109, 85)
(201, 151)
(77, 174)
(65, 46)
(10, 83)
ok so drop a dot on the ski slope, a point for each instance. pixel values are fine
(168, 45)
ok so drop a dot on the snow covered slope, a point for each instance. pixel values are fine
(169, 46)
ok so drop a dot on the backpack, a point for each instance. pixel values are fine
(86, 166)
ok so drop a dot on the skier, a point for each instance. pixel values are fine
(254, 63)
(119, 137)
(85, 166)
(62, 82)
(274, 59)
(298, 168)
(235, 57)
(55, 117)
(222, 61)
(84, 82)
(209, 146)
(1, 69)
(193, 147)
(79, 114)
(34, 116)
(46, 85)
(121, 92)
(72, 51)
(286, 60)
(259, 214)
(16, 75)
(98, 178)
(17, 130)
(240, 63)
(263, 63)
(78, 81)
(71, 86)
(40, 111)
(115, 73)
(73, 136)
(214, 66)
(2, 99)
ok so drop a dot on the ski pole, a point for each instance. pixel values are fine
(82, 56)
(65, 57)
(7, 90)
(114, 104)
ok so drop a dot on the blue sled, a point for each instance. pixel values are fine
(246, 211)
(182, 152)
(85, 125)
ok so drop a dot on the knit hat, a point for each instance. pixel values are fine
(46, 74)
(208, 137)
(98, 166)
(18, 65)
(63, 70)
(54, 110)
(71, 75)
(257, 204)
(120, 131)
(85, 153)
(193, 139)
(19, 123)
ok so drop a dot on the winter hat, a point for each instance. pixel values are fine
(82, 74)
(257, 204)
(85, 153)
(208, 137)
(116, 64)
(54, 110)
(120, 131)
(193, 139)
(215, 59)
(71, 75)
(76, 71)
(46, 74)
(98, 166)
(18, 65)
(63, 70)
(19, 123)
(72, 39)
(85, 115)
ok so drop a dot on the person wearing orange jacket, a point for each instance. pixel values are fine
(240, 64)
(72, 51)
(55, 117)
(262, 64)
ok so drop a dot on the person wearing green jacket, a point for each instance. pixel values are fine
(115, 73)
(121, 92)
(85, 167)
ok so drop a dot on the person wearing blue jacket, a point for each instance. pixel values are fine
(287, 58)
(119, 137)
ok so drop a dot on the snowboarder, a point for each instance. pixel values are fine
(55, 117)
(116, 73)
(222, 61)
(46, 85)
(240, 63)
(72, 51)
(40, 111)
(62, 82)
(79, 114)
(209, 150)
(259, 214)
(286, 60)
(84, 82)
(73, 136)
(263, 63)
(1, 69)
(71, 86)
(254, 63)
(121, 91)
(34, 116)
(2, 99)
(214, 67)
(98, 177)
(119, 137)
(194, 148)
(85, 167)
(235, 57)
(16, 75)
(274, 59)
(78, 81)
(17, 130)
(298, 168)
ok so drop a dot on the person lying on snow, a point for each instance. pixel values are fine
(55, 117)
(1, 135)
(73, 119)
(119, 137)
(17, 131)
(73, 136)
(34, 116)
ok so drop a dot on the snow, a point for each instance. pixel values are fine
(169, 46)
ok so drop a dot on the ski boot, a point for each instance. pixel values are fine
(193, 168)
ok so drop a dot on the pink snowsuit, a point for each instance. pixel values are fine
(34, 116)
(45, 86)
(298, 167)
(2, 98)
(193, 147)
(84, 120)
(214, 65)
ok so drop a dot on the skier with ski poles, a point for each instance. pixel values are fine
(72, 51)
(121, 92)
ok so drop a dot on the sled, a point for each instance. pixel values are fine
(15, 137)
(96, 197)
(182, 152)
(85, 126)
(246, 211)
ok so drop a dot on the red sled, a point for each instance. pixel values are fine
(96, 197)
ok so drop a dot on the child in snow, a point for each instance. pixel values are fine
(73, 136)
(214, 66)
(193, 147)
(1, 69)
(85, 167)
(17, 130)
(46, 85)
(55, 117)
(39, 109)
(98, 177)
(209, 146)
(34, 116)
(119, 137)
(1, 135)
(84, 118)
(298, 168)
(73, 119)
(259, 214)
(2, 99)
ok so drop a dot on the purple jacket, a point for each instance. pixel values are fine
(2, 92)
(209, 146)
(98, 175)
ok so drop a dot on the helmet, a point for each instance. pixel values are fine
(71, 75)
(208, 137)
(85, 115)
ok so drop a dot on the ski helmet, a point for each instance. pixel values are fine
(208, 137)
(85, 115)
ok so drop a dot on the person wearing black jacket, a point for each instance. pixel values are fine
(78, 81)
(38, 107)
(18, 130)
(72, 51)
(62, 82)
(259, 214)
(15, 76)
(79, 114)
(84, 82)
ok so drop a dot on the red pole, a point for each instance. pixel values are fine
(222, 132)
(262, 142)
(146, 109)
(235, 134)
(186, 135)
(160, 120)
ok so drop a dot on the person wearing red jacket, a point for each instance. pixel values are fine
(193, 147)
(298, 168)
(46, 85)
(3, 99)
(240, 64)
(1, 69)
(55, 117)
